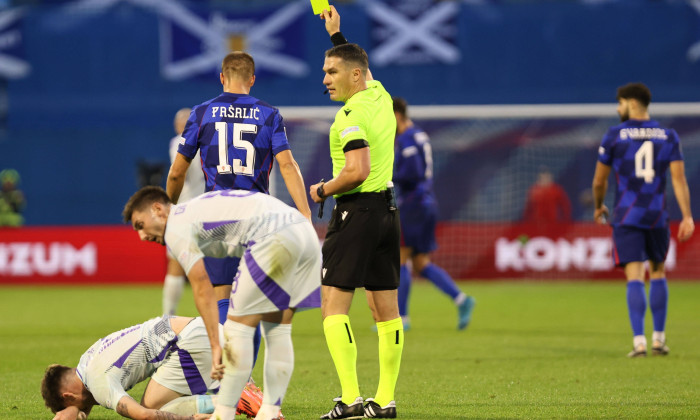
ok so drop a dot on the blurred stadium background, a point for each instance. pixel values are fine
(88, 90)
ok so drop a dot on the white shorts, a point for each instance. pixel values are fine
(187, 368)
(279, 272)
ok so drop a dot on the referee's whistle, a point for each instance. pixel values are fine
(320, 205)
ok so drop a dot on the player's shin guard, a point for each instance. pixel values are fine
(404, 289)
(172, 292)
(238, 363)
(223, 310)
(341, 344)
(658, 303)
(278, 368)
(636, 305)
(390, 348)
(441, 280)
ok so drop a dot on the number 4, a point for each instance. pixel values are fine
(239, 143)
(644, 162)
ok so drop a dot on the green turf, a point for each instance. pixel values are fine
(534, 350)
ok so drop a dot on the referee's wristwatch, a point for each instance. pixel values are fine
(319, 191)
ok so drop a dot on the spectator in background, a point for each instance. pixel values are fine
(547, 202)
(11, 199)
(194, 185)
(413, 175)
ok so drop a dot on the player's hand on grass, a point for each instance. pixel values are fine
(686, 229)
(217, 367)
(601, 215)
(332, 19)
(69, 413)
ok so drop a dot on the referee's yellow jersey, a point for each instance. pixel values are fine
(367, 115)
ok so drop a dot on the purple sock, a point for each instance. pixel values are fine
(658, 302)
(441, 279)
(404, 289)
(223, 310)
(637, 305)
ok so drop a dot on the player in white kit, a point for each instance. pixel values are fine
(279, 273)
(173, 351)
(174, 282)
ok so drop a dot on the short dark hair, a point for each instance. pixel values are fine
(51, 387)
(143, 198)
(238, 64)
(400, 106)
(637, 91)
(351, 53)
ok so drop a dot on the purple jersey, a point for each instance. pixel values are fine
(640, 153)
(413, 176)
(413, 165)
(237, 136)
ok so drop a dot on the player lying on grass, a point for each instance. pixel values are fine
(173, 351)
(280, 272)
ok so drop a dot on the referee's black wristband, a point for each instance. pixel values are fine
(319, 191)
(338, 39)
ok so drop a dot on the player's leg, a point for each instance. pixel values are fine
(381, 288)
(404, 290)
(391, 341)
(345, 256)
(279, 361)
(658, 243)
(173, 285)
(630, 252)
(222, 271)
(238, 362)
(184, 372)
(157, 395)
(443, 281)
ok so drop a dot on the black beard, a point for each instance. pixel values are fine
(624, 117)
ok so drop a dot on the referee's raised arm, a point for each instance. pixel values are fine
(361, 248)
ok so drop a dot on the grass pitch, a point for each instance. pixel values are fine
(534, 350)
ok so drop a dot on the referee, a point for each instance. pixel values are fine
(361, 248)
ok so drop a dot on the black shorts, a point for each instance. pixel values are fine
(362, 244)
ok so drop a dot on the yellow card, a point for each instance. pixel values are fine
(319, 6)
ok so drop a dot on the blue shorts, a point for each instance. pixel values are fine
(632, 244)
(418, 226)
(221, 271)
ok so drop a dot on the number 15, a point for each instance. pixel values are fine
(239, 143)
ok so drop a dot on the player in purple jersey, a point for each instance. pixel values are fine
(413, 176)
(641, 152)
(237, 137)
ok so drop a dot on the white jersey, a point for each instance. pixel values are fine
(114, 364)
(194, 177)
(224, 223)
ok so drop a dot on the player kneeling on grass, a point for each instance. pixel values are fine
(173, 351)
(280, 271)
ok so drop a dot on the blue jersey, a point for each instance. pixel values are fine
(640, 153)
(237, 136)
(413, 166)
(413, 176)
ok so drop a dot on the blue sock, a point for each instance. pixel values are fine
(441, 279)
(256, 344)
(658, 302)
(404, 289)
(637, 305)
(223, 310)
